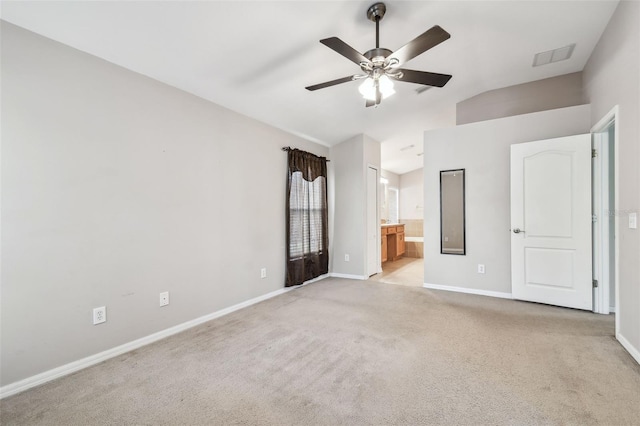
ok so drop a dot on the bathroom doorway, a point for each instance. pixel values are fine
(404, 271)
(402, 205)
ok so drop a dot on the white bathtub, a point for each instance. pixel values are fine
(414, 239)
(414, 247)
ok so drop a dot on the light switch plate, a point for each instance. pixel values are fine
(164, 298)
(633, 220)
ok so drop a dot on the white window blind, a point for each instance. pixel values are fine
(305, 209)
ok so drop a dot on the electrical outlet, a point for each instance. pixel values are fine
(164, 298)
(480, 268)
(263, 273)
(346, 257)
(633, 220)
(99, 315)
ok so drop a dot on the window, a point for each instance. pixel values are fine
(306, 210)
(307, 217)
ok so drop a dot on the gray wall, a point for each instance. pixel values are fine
(542, 95)
(394, 179)
(483, 150)
(116, 187)
(349, 162)
(612, 77)
(348, 232)
(411, 193)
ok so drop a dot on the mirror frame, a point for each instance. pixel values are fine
(464, 218)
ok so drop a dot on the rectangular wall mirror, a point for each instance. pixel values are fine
(452, 221)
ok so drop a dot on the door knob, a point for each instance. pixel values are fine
(518, 230)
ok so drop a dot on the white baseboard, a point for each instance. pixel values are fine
(469, 290)
(72, 367)
(634, 352)
(321, 277)
(347, 276)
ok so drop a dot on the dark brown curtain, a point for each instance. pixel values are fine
(307, 218)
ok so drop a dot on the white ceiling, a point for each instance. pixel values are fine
(257, 57)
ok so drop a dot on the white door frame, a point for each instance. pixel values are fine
(601, 187)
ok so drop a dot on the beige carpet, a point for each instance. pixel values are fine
(359, 352)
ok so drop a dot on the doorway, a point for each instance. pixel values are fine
(404, 271)
(551, 249)
(401, 214)
(604, 228)
(373, 221)
(605, 219)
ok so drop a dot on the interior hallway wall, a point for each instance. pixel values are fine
(348, 168)
(116, 187)
(483, 150)
(412, 195)
(394, 179)
(611, 78)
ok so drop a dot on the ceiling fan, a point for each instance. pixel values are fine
(380, 65)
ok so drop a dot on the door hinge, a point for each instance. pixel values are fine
(594, 153)
(595, 283)
(594, 218)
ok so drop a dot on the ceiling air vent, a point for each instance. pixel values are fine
(556, 55)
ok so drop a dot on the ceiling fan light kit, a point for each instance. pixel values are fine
(380, 65)
(383, 84)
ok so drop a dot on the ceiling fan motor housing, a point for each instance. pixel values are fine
(376, 11)
(377, 53)
(377, 58)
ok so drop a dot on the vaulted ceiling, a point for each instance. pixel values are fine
(256, 57)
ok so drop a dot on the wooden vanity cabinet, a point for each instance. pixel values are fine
(383, 250)
(393, 246)
(400, 243)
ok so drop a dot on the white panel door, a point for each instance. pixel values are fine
(551, 221)
(373, 226)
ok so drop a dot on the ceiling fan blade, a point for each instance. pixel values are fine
(330, 83)
(423, 77)
(369, 103)
(344, 49)
(430, 38)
